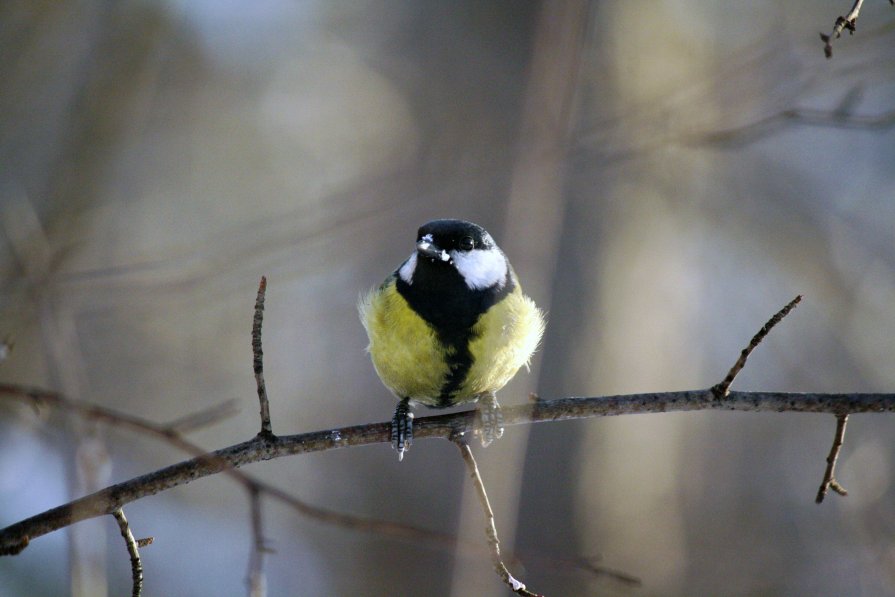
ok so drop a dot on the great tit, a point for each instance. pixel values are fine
(450, 326)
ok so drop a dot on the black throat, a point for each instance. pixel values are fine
(440, 296)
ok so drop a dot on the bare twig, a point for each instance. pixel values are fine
(132, 550)
(724, 387)
(829, 481)
(258, 359)
(171, 434)
(490, 530)
(15, 537)
(257, 579)
(847, 22)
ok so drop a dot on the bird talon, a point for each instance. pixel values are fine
(491, 418)
(402, 428)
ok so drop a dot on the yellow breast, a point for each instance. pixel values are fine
(410, 359)
(405, 350)
(505, 338)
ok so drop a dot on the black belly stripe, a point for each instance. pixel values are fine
(459, 363)
(441, 297)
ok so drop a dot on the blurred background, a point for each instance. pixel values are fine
(664, 175)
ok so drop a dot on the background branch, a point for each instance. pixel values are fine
(257, 581)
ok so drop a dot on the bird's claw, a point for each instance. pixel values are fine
(491, 418)
(402, 428)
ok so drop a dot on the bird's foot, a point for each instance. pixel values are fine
(402, 428)
(492, 419)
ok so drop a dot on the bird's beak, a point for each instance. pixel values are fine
(430, 250)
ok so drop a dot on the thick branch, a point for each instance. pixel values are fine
(15, 537)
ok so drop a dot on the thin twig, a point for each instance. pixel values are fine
(257, 578)
(847, 22)
(490, 530)
(258, 359)
(723, 388)
(829, 481)
(132, 550)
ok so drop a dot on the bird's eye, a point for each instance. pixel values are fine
(467, 243)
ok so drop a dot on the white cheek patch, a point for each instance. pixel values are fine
(481, 268)
(406, 271)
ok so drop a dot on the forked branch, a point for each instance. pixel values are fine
(133, 551)
(829, 480)
(490, 529)
(846, 23)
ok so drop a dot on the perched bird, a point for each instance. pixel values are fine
(450, 326)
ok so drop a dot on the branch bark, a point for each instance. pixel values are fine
(15, 537)
(829, 480)
(132, 550)
(490, 528)
(847, 22)
(171, 433)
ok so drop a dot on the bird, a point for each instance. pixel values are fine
(450, 326)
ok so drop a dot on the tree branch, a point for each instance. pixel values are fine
(171, 433)
(490, 529)
(829, 480)
(724, 387)
(258, 359)
(15, 537)
(455, 427)
(846, 22)
(132, 550)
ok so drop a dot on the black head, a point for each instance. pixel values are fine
(455, 235)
